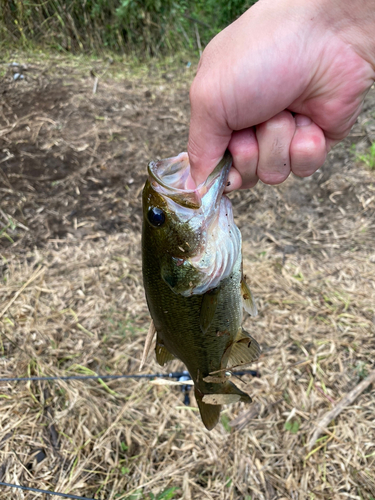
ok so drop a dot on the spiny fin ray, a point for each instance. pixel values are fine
(150, 335)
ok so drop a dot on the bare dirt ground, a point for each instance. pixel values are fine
(72, 166)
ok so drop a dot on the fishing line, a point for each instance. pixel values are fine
(176, 375)
(47, 492)
(90, 377)
(179, 376)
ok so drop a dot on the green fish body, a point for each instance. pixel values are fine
(192, 273)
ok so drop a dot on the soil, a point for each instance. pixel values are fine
(73, 162)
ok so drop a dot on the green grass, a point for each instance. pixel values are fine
(368, 158)
(146, 29)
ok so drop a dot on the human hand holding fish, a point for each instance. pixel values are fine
(280, 87)
(193, 279)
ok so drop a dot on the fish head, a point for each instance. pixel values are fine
(184, 226)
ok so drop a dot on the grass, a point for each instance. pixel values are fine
(369, 157)
(118, 67)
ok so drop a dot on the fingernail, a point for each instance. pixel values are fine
(303, 121)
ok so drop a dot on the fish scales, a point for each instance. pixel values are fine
(194, 286)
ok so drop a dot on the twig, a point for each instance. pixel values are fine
(198, 40)
(95, 88)
(186, 16)
(10, 219)
(32, 278)
(346, 401)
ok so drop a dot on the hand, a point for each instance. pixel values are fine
(279, 87)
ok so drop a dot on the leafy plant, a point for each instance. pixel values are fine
(369, 158)
(292, 426)
(145, 28)
(225, 421)
(167, 494)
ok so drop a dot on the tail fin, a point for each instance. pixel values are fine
(209, 413)
(210, 404)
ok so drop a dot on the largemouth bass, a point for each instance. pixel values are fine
(192, 273)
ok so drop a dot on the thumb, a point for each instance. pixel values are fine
(209, 134)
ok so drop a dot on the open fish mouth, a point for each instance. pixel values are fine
(170, 176)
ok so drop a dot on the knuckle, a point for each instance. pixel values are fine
(244, 152)
(281, 120)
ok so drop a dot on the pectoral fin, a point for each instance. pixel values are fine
(248, 299)
(208, 308)
(146, 349)
(244, 350)
(162, 353)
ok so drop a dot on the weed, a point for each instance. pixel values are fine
(292, 426)
(368, 158)
(167, 494)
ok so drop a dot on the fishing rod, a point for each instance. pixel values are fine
(181, 376)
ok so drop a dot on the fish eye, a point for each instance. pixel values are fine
(156, 216)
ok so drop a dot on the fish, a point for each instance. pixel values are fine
(193, 280)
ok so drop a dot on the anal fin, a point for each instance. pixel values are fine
(162, 353)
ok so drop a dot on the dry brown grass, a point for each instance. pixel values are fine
(309, 253)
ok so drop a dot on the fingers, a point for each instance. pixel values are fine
(274, 138)
(308, 149)
(244, 148)
(281, 145)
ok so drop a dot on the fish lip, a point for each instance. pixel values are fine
(154, 168)
(189, 198)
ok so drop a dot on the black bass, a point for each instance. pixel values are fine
(192, 273)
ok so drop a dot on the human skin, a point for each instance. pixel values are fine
(280, 87)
